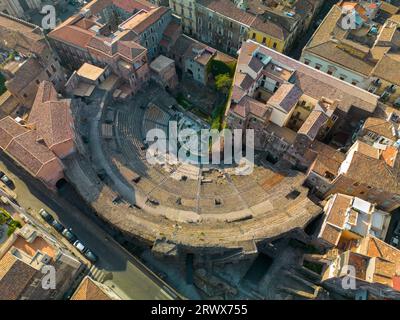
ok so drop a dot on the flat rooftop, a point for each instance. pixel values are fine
(90, 72)
(160, 63)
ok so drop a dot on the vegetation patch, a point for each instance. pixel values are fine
(223, 78)
(185, 103)
(2, 84)
(315, 267)
(216, 67)
(5, 218)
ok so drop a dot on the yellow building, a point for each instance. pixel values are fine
(269, 34)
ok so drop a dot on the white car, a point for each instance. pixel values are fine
(79, 245)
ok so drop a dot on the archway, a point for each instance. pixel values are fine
(61, 184)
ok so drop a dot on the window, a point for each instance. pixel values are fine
(53, 68)
(318, 66)
(254, 35)
(354, 82)
(48, 73)
(264, 40)
(37, 81)
(306, 61)
(330, 72)
(274, 45)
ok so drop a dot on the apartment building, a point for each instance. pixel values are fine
(19, 8)
(348, 219)
(22, 259)
(186, 9)
(225, 24)
(91, 36)
(279, 23)
(222, 25)
(365, 53)
(366, 171)
(369, 270)
(149, 26)
(47, 137)
(30, 59)
(294, 104)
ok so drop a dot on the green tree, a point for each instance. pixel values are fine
(223, 82)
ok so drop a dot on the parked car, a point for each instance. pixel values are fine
(395, 241)
(1, 174)
(67, 233)
(58, 226)
(46, 216)
(7, 181)
(90, 255)
(397, 229)
(109, 118)
(79, 245)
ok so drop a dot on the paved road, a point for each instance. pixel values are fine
(132, 280)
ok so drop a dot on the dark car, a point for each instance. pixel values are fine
(1, 174)
(46, 216)
(397, 229)
(58, 226)
(69, 235)
(7, 181)
(109, 118)
(90, 255)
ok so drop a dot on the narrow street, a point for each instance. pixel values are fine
(122, 271)
(298, 46)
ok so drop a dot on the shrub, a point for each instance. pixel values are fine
(223, 82)
(216, 67)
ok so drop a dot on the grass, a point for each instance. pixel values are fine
(12, 226)
(185, 103)
(216, 68)
(218, 115)
(5, 217)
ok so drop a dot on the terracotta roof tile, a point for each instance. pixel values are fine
(132, 6)
(313, 124)
(30, 153)
(89, 290)
(74, 35)
(228, 9)
(8, 130)
(52, 117)
(380, 127)
(15, 275)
